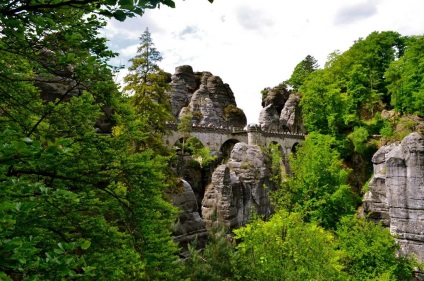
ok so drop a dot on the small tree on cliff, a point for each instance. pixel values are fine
(184, 128)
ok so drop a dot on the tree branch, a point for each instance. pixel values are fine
(79, 4)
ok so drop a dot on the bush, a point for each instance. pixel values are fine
(285, 248)
(359, 138)
(212, 262)
(370, 252)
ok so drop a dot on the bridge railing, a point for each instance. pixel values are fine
(210, 129)
(237, 130)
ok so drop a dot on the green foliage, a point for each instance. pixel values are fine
(285, 248)
(301, 72)
(386, 130)
(16, 11)
(405, 77)
(277, 164)
(212, 262)
(323, 104)
(200, 153)
(88, 187)
(352, 86)
(370, 252)
(75, 204)
(185, 125)
(318, 187)
(147, 85)
(233, 112)
(359, 138)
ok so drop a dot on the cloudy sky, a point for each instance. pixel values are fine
(253, 44)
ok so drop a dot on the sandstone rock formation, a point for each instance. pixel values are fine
(206, 97)
(269, 119)
(396, 193)
(291, 116)
(375, 200)
(237, 187)
(190, 225)
(281, 111)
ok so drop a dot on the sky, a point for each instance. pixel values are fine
(254, 44)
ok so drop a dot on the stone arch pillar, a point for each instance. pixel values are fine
(254, 136)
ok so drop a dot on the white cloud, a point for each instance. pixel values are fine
(352, 13)
(251, 18)
(254, 44)
(129, 52)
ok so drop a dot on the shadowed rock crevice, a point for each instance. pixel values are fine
(189, 226)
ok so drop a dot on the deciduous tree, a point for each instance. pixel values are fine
(318, 187)
(370, 252)
(285, 248)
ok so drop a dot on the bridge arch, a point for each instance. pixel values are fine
(223, 139)
(227, 147)
(187, 144)
(282, 153)
(294, 147)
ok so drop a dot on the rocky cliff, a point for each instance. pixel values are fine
(190, 225)
(206, 97)
(396, 192)
(238, 187)
(281, 111)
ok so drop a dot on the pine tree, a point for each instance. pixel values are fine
(302, 70)
(147, 84)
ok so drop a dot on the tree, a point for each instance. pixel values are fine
(359, 138)
(370, 252)
(406, 79)
(120, 10)
(323, 104)
(184, 128)
(74, 203)
(301, 72)
(318, 187)
(212, 262)
(285, 248)
(352, 86)
(147, 85)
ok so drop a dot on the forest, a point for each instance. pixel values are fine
(85, 176)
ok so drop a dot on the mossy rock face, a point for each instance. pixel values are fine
(197, 114)
(276, 96)
(235, 116)
(402, 126)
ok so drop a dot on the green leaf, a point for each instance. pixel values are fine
(88, 268)
(61, 246)
(126, 2)
(58, 251)
(70, 57)
(27, 140)
(119, 15)
(169, 3)
(85, 245)
(4, 277)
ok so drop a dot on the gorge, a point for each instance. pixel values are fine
(242, 181)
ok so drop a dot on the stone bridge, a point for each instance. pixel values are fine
(217, 139)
